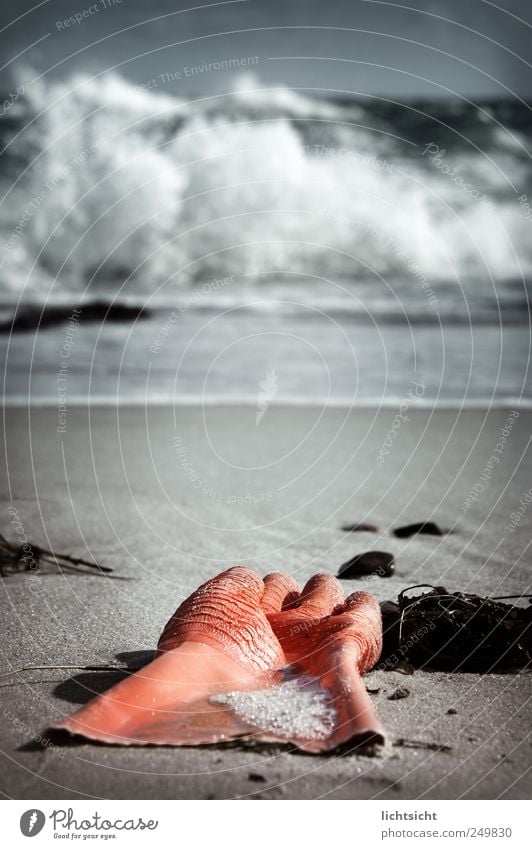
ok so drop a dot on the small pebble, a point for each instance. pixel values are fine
(430, 528)
(400, 693)
(255, 776)
(380, 563)
(452, 711)
(359, 527)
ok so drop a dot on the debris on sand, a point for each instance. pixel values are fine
(380, 563)
(456, 632)
(247, 658)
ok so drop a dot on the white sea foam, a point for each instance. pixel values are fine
(171, 191)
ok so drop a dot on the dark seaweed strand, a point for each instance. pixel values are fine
(12, 555)
(424, 601)
(89, 668)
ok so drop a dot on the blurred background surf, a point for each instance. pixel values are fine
(346, 246)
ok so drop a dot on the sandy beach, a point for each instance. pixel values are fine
(168, 496)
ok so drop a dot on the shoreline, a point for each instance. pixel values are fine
(388, 403)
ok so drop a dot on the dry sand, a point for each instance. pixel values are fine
(169, 497)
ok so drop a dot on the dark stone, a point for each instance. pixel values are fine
(255, 776)
(359, 527)
(400, 693)
(380, 563)
(429, 528)
(452, 711)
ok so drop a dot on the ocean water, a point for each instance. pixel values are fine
(263, 246)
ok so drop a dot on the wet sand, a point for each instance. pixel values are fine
(168, 497)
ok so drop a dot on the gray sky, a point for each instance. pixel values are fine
(342, 42)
